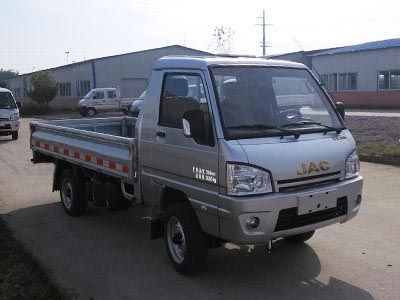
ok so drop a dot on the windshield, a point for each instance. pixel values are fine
(7, 101)
(261, 101)
(89, 95)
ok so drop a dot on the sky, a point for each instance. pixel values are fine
(35, 34)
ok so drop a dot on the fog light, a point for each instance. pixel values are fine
(359, 198)
(252, 222)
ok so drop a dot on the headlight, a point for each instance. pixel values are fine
(352, 165)
(14, 117)
(247, 180)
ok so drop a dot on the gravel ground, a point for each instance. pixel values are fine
(376, 135)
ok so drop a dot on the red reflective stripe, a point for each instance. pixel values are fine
(46, 146)
(125, 169)
(56, 149)
(76, 155)
(112, 165)
(99, 161)
(66, 152)
(88, 158)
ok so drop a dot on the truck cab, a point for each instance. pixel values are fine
(9, 114)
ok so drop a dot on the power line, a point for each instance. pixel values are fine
(264, 25)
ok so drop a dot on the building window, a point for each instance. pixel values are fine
(395, 79)
(347, 82)
(383, 80)
(330, 81)
(389, 80)
(82, 87)
(64, 89)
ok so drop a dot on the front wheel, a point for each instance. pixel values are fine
(72, 196)
(14, 135)
(300, 238)
(186, 243)
(91, 112)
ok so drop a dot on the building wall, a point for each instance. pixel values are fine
(132, 68)
(366, 64)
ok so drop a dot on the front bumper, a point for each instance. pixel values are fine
(234, 211)
(7, 127)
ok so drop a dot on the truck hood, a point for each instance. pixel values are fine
(291, 159)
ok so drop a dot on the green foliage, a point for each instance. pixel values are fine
(43, 87)
(33, 109)
(5, 75)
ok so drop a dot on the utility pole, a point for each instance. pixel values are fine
(67, 53)
(264, 25)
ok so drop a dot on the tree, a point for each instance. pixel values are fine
(222, 40)
(43, 88)
(5, 75)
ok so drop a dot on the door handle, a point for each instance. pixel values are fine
(160, 133)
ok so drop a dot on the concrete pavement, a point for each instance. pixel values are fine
(108, 255)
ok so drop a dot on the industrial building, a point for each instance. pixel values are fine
(128, 71)
(363, 75)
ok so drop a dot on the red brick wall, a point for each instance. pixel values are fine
(66, 102)
(381, 99)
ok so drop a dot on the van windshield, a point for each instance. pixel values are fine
(270, 101)
(89, 95)
(7, 101)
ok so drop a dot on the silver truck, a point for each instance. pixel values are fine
(223, 163)
(9, 114)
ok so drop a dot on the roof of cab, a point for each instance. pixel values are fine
(202, 62)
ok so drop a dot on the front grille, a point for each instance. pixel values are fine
(289, 219)
(8, 126)
(309, 181)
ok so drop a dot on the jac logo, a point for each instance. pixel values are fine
(323, 165)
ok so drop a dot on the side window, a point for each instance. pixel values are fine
(98, 95)
(111, 94)
(180, 93)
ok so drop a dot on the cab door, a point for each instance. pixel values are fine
(111, 100)
(98, 101)
(182, 163)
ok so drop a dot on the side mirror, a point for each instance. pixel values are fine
(193, 124)
(19, 104)
(340, 109)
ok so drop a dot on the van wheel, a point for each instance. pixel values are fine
(91, 112)
(72, 196)
(14, 135)
(185, 242)
(300, 238)
(83, 112)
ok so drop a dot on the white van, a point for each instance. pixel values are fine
(9, 114)
(103, 99)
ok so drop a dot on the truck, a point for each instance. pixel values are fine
(224, 164)
(9, 114)
(103, 99)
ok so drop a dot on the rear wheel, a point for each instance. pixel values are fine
(72, 196)
(186, 243)
(14, 135)
(91, 112)
(300, 238)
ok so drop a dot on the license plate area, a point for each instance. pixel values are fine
(313, 202)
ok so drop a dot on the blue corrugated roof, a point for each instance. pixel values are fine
(392, 43)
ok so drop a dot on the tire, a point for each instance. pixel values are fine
(72, 195)
(83, 112)
(14, 135)
(300, 238)
(185, 242)
(91, 112)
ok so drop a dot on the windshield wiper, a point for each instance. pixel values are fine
(262, 128)
(328, 128)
